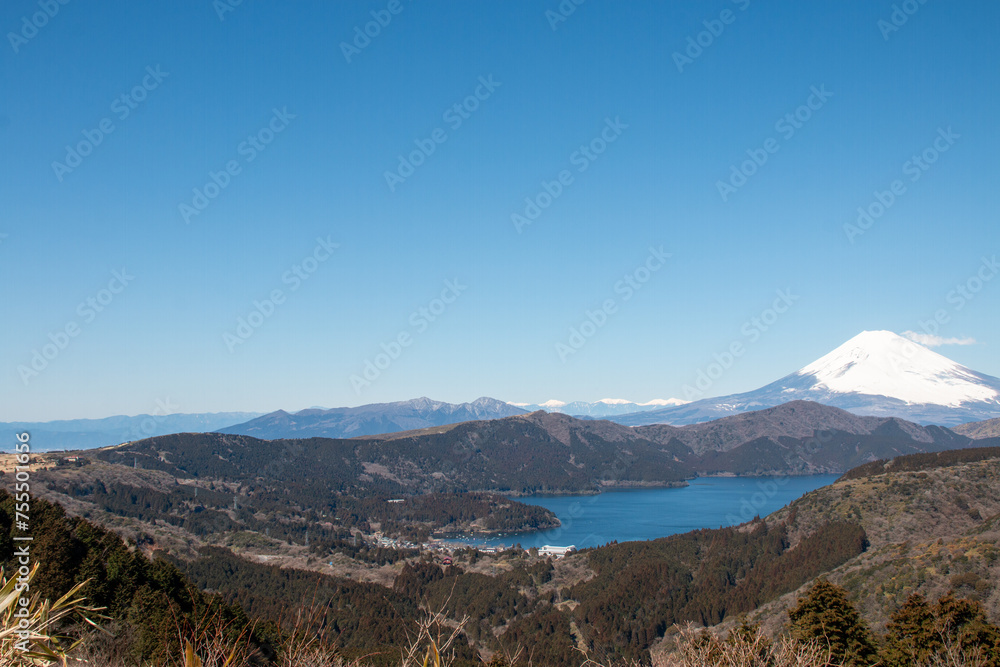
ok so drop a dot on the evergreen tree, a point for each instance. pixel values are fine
(826, 614)
(963, 624)
(911, 636)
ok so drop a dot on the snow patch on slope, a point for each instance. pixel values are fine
(665, 401)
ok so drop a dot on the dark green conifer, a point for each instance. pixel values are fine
(963, 625)
(827, 615)
(911, 636)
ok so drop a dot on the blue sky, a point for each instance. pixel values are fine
(501, 297)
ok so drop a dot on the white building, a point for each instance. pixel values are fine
(558, 552)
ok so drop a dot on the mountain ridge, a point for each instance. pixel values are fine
(552, 452)
(371, 419)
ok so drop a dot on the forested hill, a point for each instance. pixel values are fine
(933, 523)
(151, 604)
(509, 455)
(928, 461)
(543, 452)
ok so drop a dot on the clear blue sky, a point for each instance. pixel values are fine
(218, 81)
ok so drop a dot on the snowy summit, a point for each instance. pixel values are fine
(886, 364)
(877, 373)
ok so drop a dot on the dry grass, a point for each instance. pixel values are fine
(752, 648)
(39, 461)
(698, 648)
(435, 637)
(213, 642)
(29, 633)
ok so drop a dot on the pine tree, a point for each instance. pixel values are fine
(827, 615)
(911, 634)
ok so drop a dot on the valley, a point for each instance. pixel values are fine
(255, 520)
(925, 522)
(452, 479)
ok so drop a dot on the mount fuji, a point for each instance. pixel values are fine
(877, 373)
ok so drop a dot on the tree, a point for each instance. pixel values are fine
(963, 625)
(827, 615)
(911, 635)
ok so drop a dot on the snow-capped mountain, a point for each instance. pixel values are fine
(603, 408)
(875, 373)
(880, 363)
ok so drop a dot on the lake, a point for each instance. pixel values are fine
(644, 514)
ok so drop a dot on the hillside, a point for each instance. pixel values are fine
(516, 454)
(979, 430)
(795, 419)
(933, 523)
(183, 512)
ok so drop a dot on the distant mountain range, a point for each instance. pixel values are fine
(90, 433)
(875, 373)
(371, 419)
(605, 407)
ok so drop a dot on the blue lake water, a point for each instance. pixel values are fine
(644, 514)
